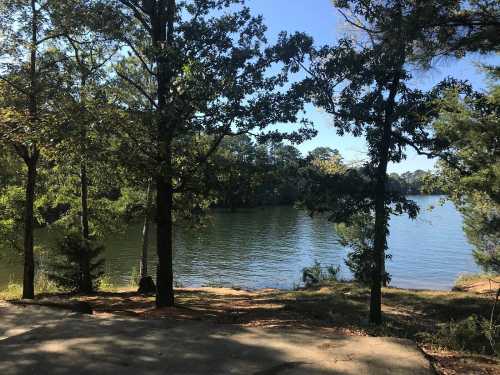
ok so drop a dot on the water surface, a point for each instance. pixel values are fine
(268, 247)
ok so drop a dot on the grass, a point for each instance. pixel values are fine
(43, 285)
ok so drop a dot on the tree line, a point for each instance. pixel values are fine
(100, 99)
(248, 174)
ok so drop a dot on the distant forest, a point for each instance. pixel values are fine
(249, 174)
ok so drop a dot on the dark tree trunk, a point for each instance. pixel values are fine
(164, 276)
(381, 209)
(30, 157)
(162, 17)
(29, 223)
(145, 233)
(86, 279)
(381, 224)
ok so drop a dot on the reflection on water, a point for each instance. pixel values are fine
(268, 247)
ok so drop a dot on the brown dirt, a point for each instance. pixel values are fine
(323, 310)
(42, 341)
(480, 286)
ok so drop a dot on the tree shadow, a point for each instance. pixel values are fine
(86, 345)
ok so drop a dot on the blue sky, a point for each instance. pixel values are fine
(319, 19)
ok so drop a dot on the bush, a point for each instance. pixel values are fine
(360, 262)
(317, 274)
(358, 235)
(77, 266)
(473, 334)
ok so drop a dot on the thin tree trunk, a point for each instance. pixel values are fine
(379, 241)
(31, 160)
(86, 279)
(381, 210)
(143, 273)
(29, 223)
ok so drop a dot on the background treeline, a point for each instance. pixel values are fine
(248, 174)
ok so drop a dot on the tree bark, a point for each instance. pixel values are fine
(31, 160)
(86, 279)
(143, 272)
(29, 223)
(381, 210)
(164, 276)
(162, 17)
(381, 223)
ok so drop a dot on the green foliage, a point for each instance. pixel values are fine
(74, 260)
(470, 170)
(317, 274)
(358, 235)
(473, 334)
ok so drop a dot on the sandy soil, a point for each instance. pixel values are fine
(39, 340)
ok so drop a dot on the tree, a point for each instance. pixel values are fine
(87, 53)
(469, 171)
(322, 153)
(27, 74)
(211, 78)
(438, 28)
(366, 87)
(358, 235)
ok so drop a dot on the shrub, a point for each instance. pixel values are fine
(358, 235)
(473, 334)
(316, 274)
(77, 265)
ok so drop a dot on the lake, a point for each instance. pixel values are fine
(268, 247)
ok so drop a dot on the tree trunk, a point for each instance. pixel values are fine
(162, 17)
(143, 273)
(29, 223)
(86, 279)
(381, 210)
(164, 276)
(380, 240)
(31, 160)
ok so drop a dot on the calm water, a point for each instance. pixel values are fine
(268, 247)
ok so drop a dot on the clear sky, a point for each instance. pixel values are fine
(319, 19)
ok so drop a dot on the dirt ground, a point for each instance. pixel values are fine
(337, 313)
(39, 340)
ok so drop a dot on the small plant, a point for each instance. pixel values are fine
(316, 274)
(77, 265)
(473, 334)
(105, 282)
(133, 281)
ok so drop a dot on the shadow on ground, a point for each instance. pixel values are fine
(61, 344)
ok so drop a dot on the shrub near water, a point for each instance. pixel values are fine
(316, 274)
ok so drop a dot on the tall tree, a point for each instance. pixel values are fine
(85, 53)
(469, 172)
(27, 68)
(211, 79)
(366, 87)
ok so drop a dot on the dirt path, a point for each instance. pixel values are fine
(39, 340)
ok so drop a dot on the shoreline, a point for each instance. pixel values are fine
(469, 283)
